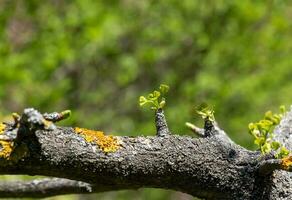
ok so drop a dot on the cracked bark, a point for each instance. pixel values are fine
(210, 167)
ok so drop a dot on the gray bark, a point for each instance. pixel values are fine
(210, 167)
(43, 188)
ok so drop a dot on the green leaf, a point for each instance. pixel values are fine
(265, 125)
(263, 133)
(268, 115)
(266, 148)
(162, 104)
(256, 133)
(283, 153)
(156, 93)
(206, 111)
(282, 109)
(164, 88)
(142, 100)
(276, 119)
(275, 145)
(151, 96)
(259, 141)
(155, 98)
(251, 126)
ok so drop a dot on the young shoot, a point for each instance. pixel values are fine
(262, 131)
(206, 112)
(155, 99)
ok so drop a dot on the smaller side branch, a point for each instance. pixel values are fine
(196, 130)
(268, 166)
(43, 188)
(161, 124)
(210, 128)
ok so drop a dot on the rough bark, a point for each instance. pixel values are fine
(210, 167)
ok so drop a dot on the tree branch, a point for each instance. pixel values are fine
(211, 167)
(43, 188)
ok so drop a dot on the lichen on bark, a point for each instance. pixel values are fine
(107, 143)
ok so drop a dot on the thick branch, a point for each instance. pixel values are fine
(212, 167)
(202, 167)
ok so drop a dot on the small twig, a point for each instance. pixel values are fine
(55, 116)
(161, 124)
(198, 131)
(33, 119)
(43, 188)
(209, 128)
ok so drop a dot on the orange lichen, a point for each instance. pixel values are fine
(8, 152)
(6, 148)
(106, 143)
(2, 128)
(287, 162)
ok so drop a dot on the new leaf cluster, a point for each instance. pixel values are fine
(206, 112)
(262, 131)
(155, 99)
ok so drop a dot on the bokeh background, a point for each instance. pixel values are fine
(97, 57)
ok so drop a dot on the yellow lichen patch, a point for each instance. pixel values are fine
(106, 143)
(6, 148)
(2, 128)
(47, 123)
(287, 162)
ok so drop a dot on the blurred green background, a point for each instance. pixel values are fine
(97, 57)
